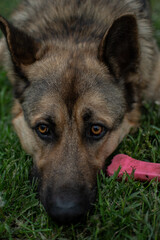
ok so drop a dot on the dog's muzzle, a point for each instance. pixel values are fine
(67, 206)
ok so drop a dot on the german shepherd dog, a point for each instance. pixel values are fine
(80, 70)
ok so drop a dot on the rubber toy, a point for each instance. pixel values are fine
(143, 171)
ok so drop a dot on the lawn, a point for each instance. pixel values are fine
(124, 210)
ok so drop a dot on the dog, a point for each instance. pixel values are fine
(80, 70)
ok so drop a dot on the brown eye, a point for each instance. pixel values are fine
(43, 129)
(97, 130)
(46, 132)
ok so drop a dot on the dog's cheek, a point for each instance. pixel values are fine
(114, 138)
(25, 134)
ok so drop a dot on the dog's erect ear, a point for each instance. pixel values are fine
(119, 48)
(23, 48)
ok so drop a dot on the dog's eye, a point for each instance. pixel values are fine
(96, 131)
(43, 131)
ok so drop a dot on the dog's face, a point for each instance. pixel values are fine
(71, 112)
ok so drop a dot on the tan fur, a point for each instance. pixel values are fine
(103, 16)
(74, 65)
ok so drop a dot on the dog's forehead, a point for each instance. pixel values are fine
(69, 74)
(71, 84)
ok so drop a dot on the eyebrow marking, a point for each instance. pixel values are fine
(87, 115)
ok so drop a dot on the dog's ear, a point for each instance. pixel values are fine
(23, 48)
(119, 48)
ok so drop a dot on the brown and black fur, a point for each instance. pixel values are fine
(74, 64)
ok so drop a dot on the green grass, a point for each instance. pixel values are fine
(156, 18)
(124, 210)
(6, 6)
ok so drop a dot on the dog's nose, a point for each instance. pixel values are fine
(68, 207)
(67, 211)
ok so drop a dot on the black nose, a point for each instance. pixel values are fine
(68, 206)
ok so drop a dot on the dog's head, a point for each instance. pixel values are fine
(74, 104)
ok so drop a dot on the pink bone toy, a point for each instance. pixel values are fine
(144, 171)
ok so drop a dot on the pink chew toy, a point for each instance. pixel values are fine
(143, 171)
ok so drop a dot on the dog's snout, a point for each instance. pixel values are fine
(66, 211)
(67, 206)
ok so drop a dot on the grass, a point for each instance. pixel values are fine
(124, 210)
